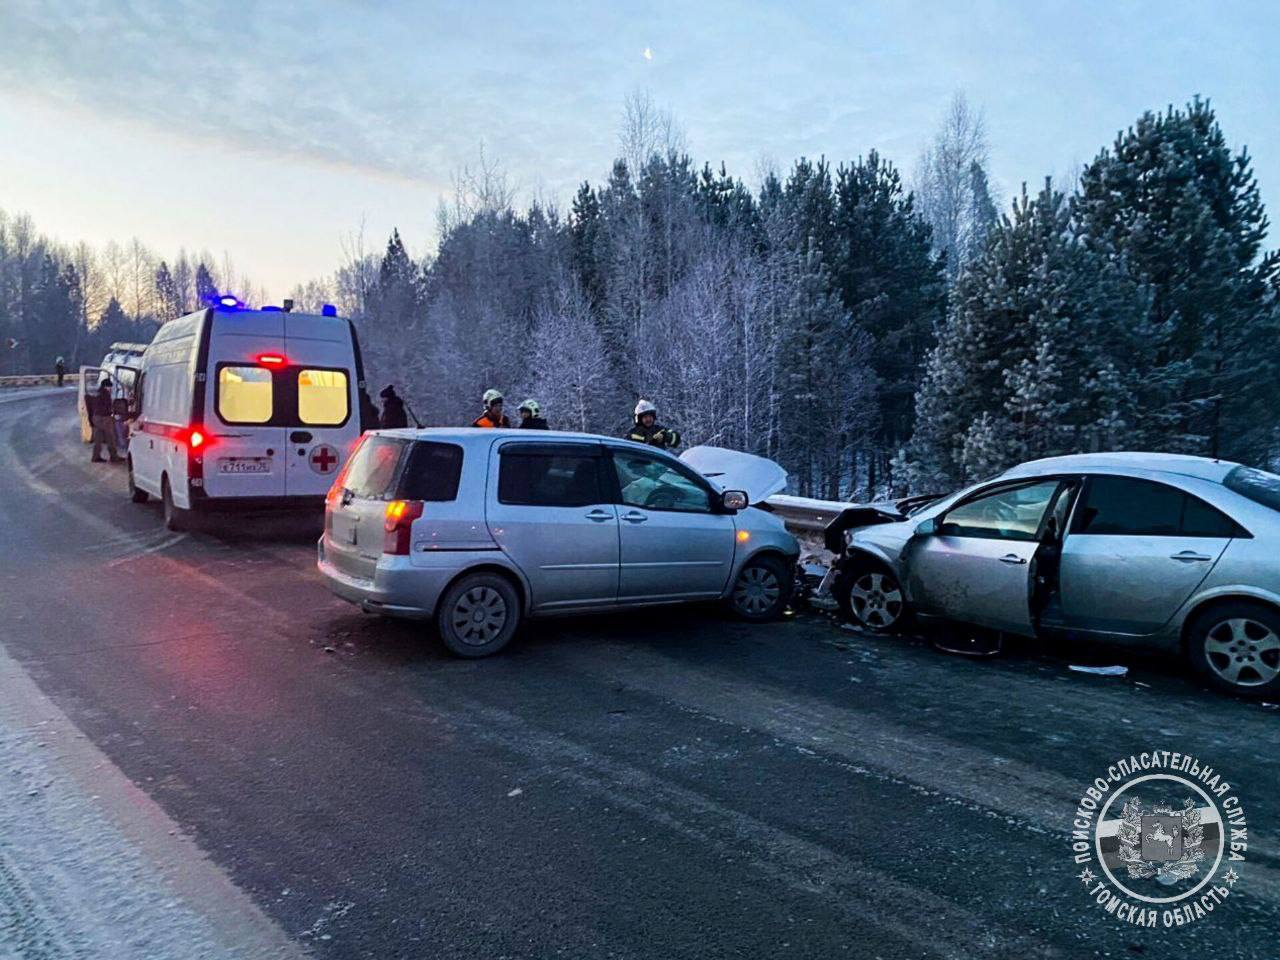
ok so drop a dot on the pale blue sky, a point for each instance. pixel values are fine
(272, 130)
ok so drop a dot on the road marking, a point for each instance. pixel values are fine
(164, 544)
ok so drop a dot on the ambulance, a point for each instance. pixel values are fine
(236, 408)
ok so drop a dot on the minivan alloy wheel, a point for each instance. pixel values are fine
(876, 600)
(1243, 652)
(479, 615)
(756, 591)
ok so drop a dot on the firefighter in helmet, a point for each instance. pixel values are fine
(493, 416)
(647, 429)
(531, 417)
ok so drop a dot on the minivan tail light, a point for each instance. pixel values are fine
(399, 519)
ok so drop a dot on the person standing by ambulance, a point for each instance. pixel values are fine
(393, 412)
(104, 427)
(493, 417)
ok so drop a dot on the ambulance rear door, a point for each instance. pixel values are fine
(326, 414)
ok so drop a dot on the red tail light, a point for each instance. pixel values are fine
(197, 442)
(272, 359)
(399, 518)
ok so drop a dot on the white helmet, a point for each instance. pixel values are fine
(643, 407)
(535, 410)
(491, 397)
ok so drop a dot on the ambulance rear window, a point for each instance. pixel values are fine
(244, 394)
(432, 472)
(323, 397)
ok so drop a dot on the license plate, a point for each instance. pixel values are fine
(244, 465)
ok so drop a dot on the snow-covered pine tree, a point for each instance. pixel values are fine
(1043, 353)
(893, 286)
(1182, 211)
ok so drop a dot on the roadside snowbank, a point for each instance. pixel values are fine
(90, 866)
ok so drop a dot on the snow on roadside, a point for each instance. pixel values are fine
(10, 394)
(90, 866)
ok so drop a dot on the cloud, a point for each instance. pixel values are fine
(374, 89)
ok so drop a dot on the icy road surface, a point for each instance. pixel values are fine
(667, 784)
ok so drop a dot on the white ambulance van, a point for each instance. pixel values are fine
(238, 408)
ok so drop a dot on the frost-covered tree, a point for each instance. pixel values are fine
(951, 185)
(569, 369)
(1044, 352)
(168, 303)
(205, 287)
(893, 287)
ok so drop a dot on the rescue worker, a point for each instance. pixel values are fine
(531, 417)
(370, 418)
(393, 414)
(648, 430)
(60, 367)
(104, 427)
(493, 417)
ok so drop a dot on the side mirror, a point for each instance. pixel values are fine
(734, 500)
(927, 528)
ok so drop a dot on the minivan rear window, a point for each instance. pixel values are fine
(1257, 485)
(371, 473)
(432, 472)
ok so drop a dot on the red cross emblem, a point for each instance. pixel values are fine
(324, 458)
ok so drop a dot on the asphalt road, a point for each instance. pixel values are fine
(671, 784)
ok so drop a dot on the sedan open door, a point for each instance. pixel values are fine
(975, 562)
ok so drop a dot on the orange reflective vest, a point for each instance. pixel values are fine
(484, 421)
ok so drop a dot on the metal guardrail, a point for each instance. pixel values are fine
(38, 379)
(802, 515)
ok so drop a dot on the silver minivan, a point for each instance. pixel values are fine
(481, 528)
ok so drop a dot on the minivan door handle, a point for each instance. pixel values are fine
(599, 515)
(635, 516)
(1188, 556)
(300, 436)
(1012, 558)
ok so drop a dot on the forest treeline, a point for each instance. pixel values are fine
(869, 335)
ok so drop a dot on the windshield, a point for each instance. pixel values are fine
(1258, 485)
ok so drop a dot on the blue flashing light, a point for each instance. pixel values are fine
(270, 309)
(328, 310)
(228, 301)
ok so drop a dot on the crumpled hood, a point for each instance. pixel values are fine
(761, 478)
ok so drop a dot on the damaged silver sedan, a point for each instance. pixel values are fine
(1174, 551)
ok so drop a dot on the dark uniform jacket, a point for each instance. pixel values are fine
(99, 402)
(534, 423)
(393, 415)
(655, 436)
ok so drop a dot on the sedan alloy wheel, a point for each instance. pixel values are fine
(875, 599)
(1243, 652)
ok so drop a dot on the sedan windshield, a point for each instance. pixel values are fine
(1258, 485)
